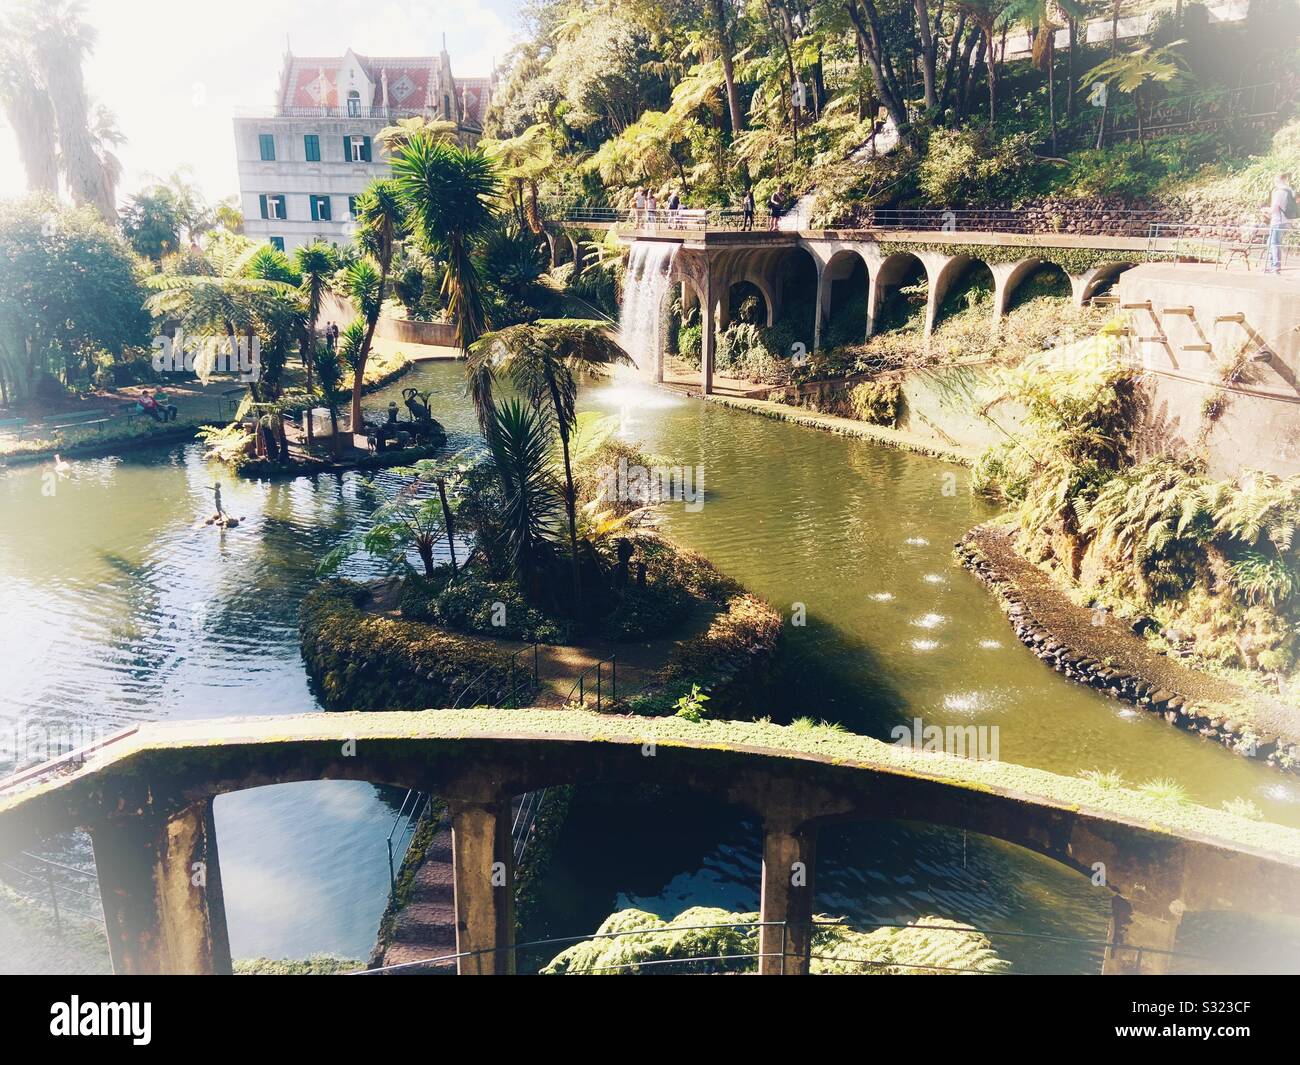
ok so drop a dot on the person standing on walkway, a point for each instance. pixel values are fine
(651, 209)
(638, 207)
(1281, 209)
(747, 205)
(674, 207)
(775, 205)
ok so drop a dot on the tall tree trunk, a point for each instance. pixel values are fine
(447, 521)
(27, 107)
(868, 30)
(364, 353)
(928, 48)
(1069, 69)
(991, 66)
(1051, 83)
(570, 503)
(728, 65)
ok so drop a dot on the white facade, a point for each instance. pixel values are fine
(303, 162)
(296, 179)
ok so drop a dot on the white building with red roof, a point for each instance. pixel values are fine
(304, 161)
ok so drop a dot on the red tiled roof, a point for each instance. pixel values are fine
(409, 78)
(474, 97)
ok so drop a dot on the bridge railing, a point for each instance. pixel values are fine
(1131, 223)
(1247, 244)
(692, 219)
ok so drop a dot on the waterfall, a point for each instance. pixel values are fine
(645, 282)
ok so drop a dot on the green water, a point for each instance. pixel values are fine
(119, 607)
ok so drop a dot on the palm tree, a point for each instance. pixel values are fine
(27, 108)
(60, 41)
(451, 193)
(1132, 71)
(329, 378)
(316, 262)
(520, 445)
(381, 220)
(543, 361)
(231, 302)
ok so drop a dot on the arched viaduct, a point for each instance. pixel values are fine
(146, 800)
(711, 263)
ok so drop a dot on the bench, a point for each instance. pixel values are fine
(98, 423)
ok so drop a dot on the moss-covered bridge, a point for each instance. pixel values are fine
(146, 799)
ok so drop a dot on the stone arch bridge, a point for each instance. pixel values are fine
(146, 799)
(709, 264)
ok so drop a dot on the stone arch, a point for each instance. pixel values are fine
(895, 271)
(1096, 280)
(844, 275)
(561, 248)
(961, 272)
(738, 293)
(1018, 273)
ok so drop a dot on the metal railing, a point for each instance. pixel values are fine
(521, 827)
(1131, 223)
(63, 889)
(685, 219)
(784, 952)
(581, 687)
(414, 804)
(505, 693)
(1220, 245)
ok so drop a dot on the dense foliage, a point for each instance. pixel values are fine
(706, 97)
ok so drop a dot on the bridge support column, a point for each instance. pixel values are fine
(483, 872)
(1138, 941)
(160, 882)
(789, 854)
(708, 330)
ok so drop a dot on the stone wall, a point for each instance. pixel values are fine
(1221, 353)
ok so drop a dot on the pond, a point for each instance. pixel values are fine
(122, 607)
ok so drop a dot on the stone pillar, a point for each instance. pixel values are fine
(823, 297)
(483, 871)
(789, 854)
(1138, 940)
(708, 340)
(160, 882)
(874, 292)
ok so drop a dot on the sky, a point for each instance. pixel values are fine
(174, 71)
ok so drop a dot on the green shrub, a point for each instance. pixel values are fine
(877, 402)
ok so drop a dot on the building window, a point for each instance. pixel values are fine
(354, 103)
(266, 144)
(311, 145)
(356, 149)
(320, 209)
(277, 243)
(352, 207)
(272, 206)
